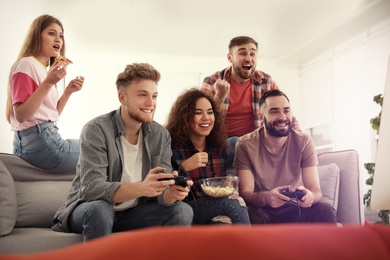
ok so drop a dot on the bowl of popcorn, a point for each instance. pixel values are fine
(218, 187)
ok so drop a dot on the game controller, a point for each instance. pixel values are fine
(179, 180)
(298, 194)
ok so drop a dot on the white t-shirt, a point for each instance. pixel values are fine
(132, 168)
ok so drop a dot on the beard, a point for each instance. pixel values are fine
(139, 117)
(239, 70)
(272, 131)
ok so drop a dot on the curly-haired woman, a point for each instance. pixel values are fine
(200, 151)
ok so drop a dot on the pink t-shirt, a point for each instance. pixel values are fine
(25, 77)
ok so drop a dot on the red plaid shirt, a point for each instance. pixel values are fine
(260, 81)
(215, 167)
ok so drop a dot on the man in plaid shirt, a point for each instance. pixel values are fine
(237, 90)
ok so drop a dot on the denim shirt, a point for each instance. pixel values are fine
(100, 166)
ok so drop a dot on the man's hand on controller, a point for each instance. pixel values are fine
(307, 200)
(275, 199)
(178, 192)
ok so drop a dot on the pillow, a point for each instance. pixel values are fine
(329, 175)
(38, 201)
(8, 205)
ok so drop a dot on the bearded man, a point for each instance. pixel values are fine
(276, 158)
(237, 89)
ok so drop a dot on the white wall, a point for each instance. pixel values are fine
(340, 91)
(101, 67)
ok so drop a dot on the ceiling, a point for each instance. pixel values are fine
(289, 31)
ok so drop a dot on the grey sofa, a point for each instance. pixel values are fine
(29, 197)
(349, 206)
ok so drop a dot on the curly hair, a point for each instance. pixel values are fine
(180, 117)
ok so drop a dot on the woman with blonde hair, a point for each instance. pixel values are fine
(33, 102)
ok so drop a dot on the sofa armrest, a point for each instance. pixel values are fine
(350, 204)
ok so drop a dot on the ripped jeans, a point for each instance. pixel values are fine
(205, 209)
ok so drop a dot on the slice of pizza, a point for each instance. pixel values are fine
(63, 58)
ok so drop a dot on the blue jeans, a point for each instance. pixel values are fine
(42, 146)
(207, 208)
(98, 218)
(231, 141)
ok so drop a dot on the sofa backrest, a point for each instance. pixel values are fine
(350, 204)
(23, 171)
(32, 196)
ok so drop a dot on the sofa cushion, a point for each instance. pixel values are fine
(8, 205)
(34, 240)
(329, 175)
(38, 202)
